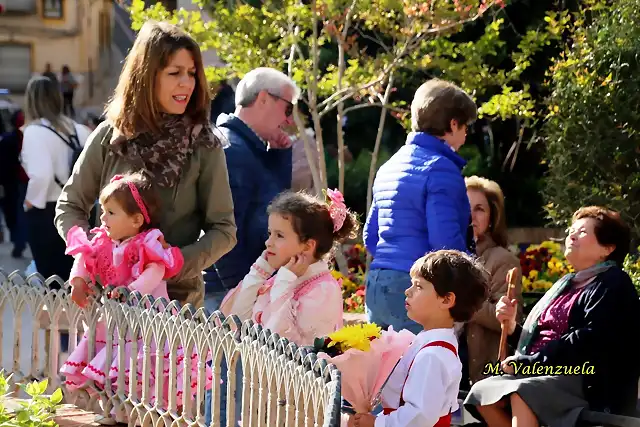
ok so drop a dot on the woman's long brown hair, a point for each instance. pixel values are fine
(134, 108)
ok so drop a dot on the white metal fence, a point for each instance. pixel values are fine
(282, 385)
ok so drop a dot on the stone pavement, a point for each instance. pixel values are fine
(9, 264)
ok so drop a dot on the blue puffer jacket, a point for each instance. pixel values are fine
(419, 204)
(256, 176)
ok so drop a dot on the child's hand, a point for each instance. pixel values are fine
(299, 264)
(80, 292)
(163, 242)
(362, 420)
(115, 294)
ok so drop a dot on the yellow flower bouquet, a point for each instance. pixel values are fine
(365, 355)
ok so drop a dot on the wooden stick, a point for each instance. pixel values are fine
(511, 281)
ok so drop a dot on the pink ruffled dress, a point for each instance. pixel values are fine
(141, 264)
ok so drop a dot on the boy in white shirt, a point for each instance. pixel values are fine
(447, 286)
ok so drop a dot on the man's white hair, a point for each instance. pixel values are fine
(267, 79)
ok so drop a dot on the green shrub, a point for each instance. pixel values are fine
(632, 267)
(593, 125)
(37, 411)
(356, 175)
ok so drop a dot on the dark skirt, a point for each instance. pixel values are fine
(556, 400)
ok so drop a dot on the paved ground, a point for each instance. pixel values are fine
(8, 318)
(9, 264)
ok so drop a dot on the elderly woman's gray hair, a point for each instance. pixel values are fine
(267, 79)
(43, 100)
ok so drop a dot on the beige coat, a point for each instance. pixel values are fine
(483, 330)
(200, 202)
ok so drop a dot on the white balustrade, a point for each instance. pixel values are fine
(283, 385)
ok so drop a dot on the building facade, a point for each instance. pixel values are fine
(75, 33)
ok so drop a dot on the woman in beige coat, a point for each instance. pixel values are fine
(490, 232)
(157, 123)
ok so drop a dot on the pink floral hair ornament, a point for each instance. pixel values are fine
(337, 208)
(136, 196)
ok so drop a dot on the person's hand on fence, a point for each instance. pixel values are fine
(80, 292)
(506, 312)
(116, 294)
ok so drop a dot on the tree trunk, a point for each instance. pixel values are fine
(376, 149)
(308, 150)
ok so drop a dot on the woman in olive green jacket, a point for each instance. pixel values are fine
(157, 123)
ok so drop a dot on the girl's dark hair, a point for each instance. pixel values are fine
(120, 192)
(310, 219)
(456, 272)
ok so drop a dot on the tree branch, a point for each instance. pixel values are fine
(376, 147)
(375, 104)
(341, 69)
(373, 39)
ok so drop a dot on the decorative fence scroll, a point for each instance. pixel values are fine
(283, 385)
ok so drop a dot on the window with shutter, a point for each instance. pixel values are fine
(16, 66)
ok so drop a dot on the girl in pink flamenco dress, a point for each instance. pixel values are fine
(302, 300)
(125, 252)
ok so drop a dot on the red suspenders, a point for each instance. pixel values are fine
(445, 420)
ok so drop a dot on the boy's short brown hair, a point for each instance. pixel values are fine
(458, 273)
(436, 103)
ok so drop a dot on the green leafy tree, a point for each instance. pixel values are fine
(593, 144)
(350, 54)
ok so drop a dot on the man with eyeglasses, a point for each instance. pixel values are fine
(259, 161)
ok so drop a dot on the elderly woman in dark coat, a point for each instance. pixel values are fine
(578, 347)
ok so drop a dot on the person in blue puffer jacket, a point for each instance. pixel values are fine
(420, 200)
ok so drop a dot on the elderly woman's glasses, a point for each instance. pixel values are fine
(289, 110)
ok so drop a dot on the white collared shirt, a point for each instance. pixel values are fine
(432, 385)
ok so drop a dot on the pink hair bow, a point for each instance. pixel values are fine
(337, 208)
(136, 197)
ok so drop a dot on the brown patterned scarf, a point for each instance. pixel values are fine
(163, 156)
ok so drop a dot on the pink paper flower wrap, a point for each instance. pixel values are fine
(365, 372)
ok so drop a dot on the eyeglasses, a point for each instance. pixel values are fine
(289, 110)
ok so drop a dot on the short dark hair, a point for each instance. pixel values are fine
(436, 103)
(119, 191)
(610, 230)
(310, 219)
(458, 273)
